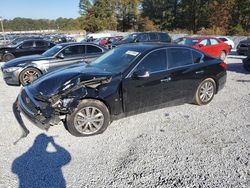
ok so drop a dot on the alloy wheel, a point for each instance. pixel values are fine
(206, 91)
(89, 120)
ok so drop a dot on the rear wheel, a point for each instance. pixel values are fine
(8, 57)
(91, 117)
(28, 75)
(223, 55)
(205, 92)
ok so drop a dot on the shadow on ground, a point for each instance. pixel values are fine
(237, 67)
(39, 167)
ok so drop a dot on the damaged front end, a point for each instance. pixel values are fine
(45, 111)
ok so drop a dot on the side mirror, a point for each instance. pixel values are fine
(60, 56)
(200, 45)
(141, 74)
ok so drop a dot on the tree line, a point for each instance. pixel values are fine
(195, 16)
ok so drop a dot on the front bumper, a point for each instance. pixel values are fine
(32, 110)
(11, 78)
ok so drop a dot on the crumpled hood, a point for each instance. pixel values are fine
(53, 83)
(25, 59)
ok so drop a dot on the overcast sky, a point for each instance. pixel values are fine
(50, 9)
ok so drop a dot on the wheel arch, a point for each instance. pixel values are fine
(27, 68)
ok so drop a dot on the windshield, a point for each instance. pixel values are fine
(52, 51)
(116, 60)
(187, 41)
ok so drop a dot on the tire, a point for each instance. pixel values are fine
(207, 88)
(28, 75)
(247, 68)
(8, 57)
(223, 55)
(83, 113)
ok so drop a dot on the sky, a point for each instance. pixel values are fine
(39, 9)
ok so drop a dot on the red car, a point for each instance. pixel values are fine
(210, 45)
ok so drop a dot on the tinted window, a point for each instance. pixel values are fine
(142, 37)
(178, 57)
(93, 49)
(205, 42)
(73, 50)
(153, 36)
(214, 41)
(197, 56)
(27, 44)
(41, 44)
(164, 37)
(155, 61)
(223, 39)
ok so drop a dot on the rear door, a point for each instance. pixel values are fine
(153, 37)
(185, 71)
(41, 46)
(92, 52)
(71, 55)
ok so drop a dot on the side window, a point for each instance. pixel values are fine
(214, 41)
(153, 62)
(205, 42)
(28, 44)
(153, 36)
(73, 50)
(164, 37)
(197, 57)
(142, 37)
(41, 44)
(93, 49)
(178, 57)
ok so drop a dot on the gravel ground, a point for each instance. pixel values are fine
(182, 146)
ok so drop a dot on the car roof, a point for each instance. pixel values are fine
(64, 44)
(143, 47)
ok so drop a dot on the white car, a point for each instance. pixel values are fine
(228, 41)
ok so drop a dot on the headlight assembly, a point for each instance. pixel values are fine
(12, 69)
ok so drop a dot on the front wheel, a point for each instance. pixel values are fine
(28, 75)
(8, 57)
(205, 92)
(91, 117)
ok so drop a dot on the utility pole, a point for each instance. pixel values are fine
(1, 20)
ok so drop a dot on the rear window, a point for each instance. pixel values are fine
(164, 37)
(153, 36)
(93, 49)
(197, 57)
(178, 57)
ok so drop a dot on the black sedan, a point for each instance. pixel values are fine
(23, 48)
(126, 80)
(25, 70)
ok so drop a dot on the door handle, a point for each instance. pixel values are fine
(199, 72)
(166, 79)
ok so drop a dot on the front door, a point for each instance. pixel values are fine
(143, 86)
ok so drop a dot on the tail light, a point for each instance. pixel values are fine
(223, 65)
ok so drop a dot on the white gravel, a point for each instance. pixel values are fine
(182, 146)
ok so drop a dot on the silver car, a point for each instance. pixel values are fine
(26, 69)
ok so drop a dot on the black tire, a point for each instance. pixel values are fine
(198, 98)
(247, 68)
(8, 57)
(84, 129)
(223, 55)
(28, 75)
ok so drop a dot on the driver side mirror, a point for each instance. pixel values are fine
(141, 74)
(60, 56)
